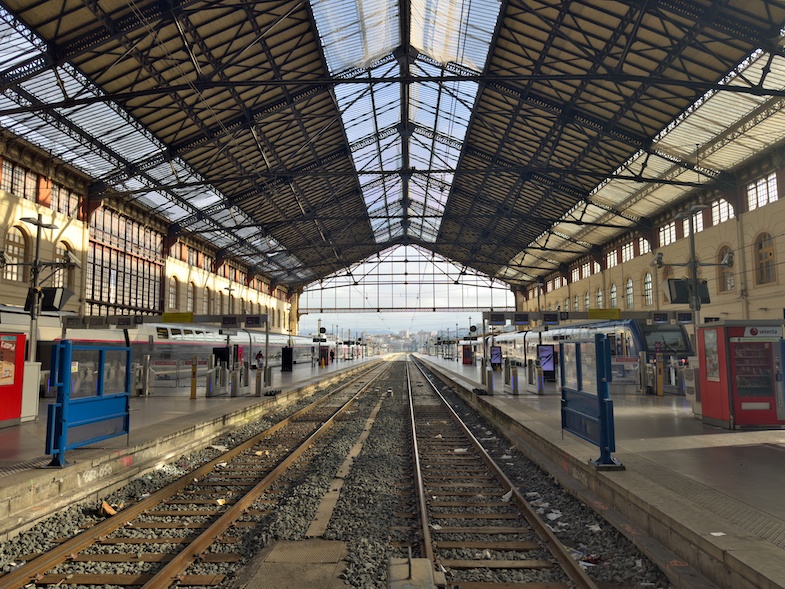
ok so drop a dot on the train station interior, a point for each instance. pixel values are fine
(192, 180)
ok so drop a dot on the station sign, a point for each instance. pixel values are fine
(604, 314)
(177, 317)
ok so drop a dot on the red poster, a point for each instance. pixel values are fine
(12, 361)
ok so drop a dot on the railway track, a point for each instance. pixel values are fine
(353, 493)
(476, 526)
(195, 519)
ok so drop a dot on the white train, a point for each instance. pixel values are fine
(169, 347)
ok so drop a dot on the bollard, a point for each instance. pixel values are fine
(210, 383)
(234, 384)
(489, 379)
(258, 383)
(146, 375)
(193, 378)
(514, 380)
(268, 376)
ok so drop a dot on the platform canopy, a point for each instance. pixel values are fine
(512, 137)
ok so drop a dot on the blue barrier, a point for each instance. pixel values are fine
(89, 407)
(587, 410)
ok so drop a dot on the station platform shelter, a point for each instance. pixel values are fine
(703, 502)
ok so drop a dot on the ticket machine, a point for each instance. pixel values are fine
(741, 379)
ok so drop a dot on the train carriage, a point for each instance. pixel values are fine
(168, 348)
(631, 340)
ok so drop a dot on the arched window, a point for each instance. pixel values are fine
(725, 279)
(614, 297)
(764, 259)
(190, 297)
(280, 319)
(630, 294)
(231, 304)
(62, 275)
(566, 306)
(242, 307)
(206, 306)
(648, 290)
(220, 300)
(174, 292)
(586, 301)
(599, 298)
(15, 247)
(575, 303)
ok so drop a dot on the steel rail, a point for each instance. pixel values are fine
(559, 551)
(173, 571)
(419, 484)
(27, 573)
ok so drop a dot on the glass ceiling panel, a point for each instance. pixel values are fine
(359, 38)
(356, 32)
(458, 32)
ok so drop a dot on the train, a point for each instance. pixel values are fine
(167, 348)
(630, 341)
(628, 338)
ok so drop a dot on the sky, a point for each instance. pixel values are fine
(383, 323)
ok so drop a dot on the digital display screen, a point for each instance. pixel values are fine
(684, 317)
(550, 318)
(520, 319)
(547, 356)
(659, 317)
(497, 319)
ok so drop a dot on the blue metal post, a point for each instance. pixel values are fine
(63, 401)
(607, 432)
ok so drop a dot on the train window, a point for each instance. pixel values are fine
(665, 338)
(189, 334)
(177, 334)
(163, 333)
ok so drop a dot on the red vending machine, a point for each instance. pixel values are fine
(12, 366)
(468, 354)
(741, 373)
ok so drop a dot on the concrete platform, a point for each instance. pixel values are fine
(713, 497)
(163, 426)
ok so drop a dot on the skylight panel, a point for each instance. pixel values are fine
(354, 33)
(458, 32)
